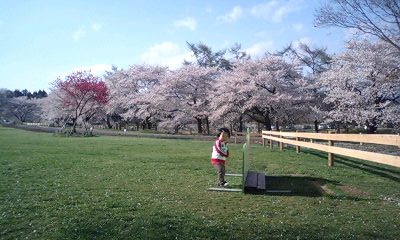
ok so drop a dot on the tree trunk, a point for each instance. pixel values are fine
(277, 125)
(338, 128)
(108, 122)
(176, 129)
(86, 127)
(148, 123)
(240, 123)
(316, 126)
(73, 127)
(199, 126)
(208, 126)
(267, 123)
(372, 129)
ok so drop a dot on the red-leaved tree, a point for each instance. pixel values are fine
(81, 96)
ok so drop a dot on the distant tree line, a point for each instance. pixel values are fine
(21, 106)
(25, 93)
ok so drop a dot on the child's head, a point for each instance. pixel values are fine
(223, 134)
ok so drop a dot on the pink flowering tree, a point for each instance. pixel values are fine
(129, 92)
(184, 96)
(264, 90)
(78, 97)
(53, 111)
(363, 85)
(313, 61)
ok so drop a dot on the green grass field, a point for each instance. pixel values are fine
(130, 188)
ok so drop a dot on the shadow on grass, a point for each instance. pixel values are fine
(382, 171)
(293, 186)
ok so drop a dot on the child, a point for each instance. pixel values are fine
(219, 154)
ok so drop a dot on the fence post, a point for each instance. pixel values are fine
(297, 147)
(280, 143)
(330, 155)
(271, 144)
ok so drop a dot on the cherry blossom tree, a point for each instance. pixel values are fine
(53, 111)
(183, 96)
(222, 59)
(129, 90)
(261, 89)
(363, 85)
(313, 61)
(78, 97)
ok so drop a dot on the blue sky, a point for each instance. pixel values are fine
(41, 40)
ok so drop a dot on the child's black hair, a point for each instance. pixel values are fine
(220, 130)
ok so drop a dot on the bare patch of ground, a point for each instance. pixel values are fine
(322, 187)
(352, 190)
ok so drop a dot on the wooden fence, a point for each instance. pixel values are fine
(298, 139)
(240, 137)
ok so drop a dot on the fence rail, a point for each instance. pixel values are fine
(241, 137)
(298, 139)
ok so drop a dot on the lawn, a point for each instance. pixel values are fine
(140, 188)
